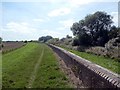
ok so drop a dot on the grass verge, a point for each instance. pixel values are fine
(108, 63)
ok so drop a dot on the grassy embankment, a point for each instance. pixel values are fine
(36, 61)
(108, 63)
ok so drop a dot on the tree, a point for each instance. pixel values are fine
(78, 28)
(0, 40)
(75, 42)
(85, 39)
(44, 38)
(93, 30)
(25, 41)
(67, 36)
(113, 33)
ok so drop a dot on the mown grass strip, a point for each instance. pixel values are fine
(50, 75)
(33, 76)
(18, 65)
(108, 63)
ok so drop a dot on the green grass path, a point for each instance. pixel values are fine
(34, 66)
(33, 76)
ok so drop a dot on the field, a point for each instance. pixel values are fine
(32, 66)
(35, 65)
(11, 45)
(108, 63)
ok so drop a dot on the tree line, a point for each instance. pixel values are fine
(45, 38)
(94, 30)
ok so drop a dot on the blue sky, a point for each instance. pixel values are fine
(31, 19)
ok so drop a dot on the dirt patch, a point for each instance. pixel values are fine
(73, 80)
(11, 45)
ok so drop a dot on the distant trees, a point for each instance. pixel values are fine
(67, 36)
(93, 30)
(62, 42)
(1, 45)
(44, 38)
(25, 41)
(53, 41)
(0, 40)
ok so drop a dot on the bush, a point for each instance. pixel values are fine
(25, 41)
(85, 40)
(75, 42)
(112, 48)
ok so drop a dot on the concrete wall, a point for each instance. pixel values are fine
(92, 75)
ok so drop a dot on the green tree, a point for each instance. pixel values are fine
(75, 42)
(25, 41)
(44, 38)
(113, 33)
(67, 36)
(93, 30)
(0, 40)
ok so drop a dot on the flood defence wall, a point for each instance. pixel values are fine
(91, 75)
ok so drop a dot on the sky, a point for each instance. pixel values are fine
(31, 19)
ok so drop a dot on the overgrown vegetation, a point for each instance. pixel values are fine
(108, 63)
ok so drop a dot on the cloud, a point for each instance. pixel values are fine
(66, 23)
(56, 33)
(57, 1)
(65, 27)
(51, 33)
(22, 27)
(38, 20)
(115, 17)
(76, 3)
(79, 1)
(59, 12)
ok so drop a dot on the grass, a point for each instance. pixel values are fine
(108, 63)
(18, 65)
(49, 75)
